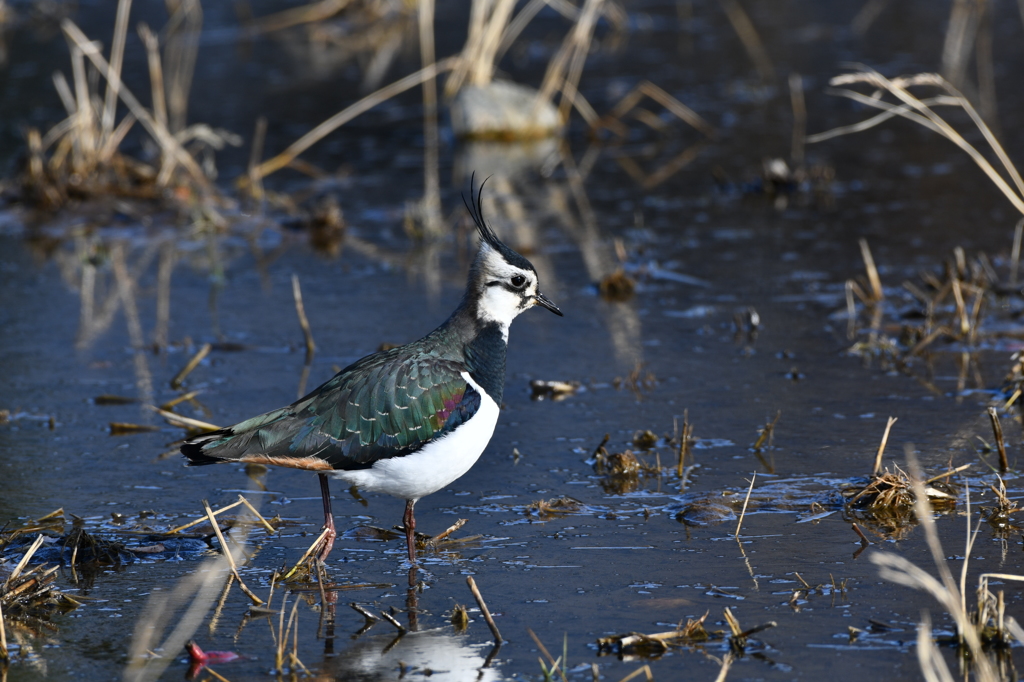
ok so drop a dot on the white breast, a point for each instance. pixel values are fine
(437, 464)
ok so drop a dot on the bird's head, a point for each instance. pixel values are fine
(502, 282)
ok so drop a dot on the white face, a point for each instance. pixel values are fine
(507, 290)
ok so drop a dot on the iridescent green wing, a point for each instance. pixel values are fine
(386, 405)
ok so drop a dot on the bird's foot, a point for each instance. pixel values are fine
(328, 534)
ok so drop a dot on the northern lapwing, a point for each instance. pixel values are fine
(406, 421)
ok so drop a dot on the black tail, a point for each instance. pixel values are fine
(193, 448)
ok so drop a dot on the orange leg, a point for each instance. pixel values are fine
(410, 529)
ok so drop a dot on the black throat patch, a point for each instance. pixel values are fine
(485, 358)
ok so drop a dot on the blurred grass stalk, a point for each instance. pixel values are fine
(971, 627)
(182, 608)
(921, 111)
(492, 30)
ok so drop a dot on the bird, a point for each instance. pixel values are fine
(406, 421)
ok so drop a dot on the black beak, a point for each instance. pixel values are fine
(542, 300)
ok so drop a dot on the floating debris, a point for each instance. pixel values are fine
(656, 644)
(113, 400)
(198, 659)
(645, 440)
(552, 390)
(637, 381)
(617, 287)
(125, 429)
(556, 505)
(702, 510)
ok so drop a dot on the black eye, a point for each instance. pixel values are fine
(518, 281)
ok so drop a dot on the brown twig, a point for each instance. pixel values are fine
(451, 529)
(863, 538)
(947, 474)
(192, 364)
(483, 609)
(767, 432)
(997, 430)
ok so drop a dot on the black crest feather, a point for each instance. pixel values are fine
(475, 207)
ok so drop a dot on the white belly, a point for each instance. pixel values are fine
(437, 464)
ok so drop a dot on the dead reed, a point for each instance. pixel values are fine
(29, 601)
(79, 158)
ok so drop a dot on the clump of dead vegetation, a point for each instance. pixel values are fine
(985, 633)
(887, 500)
(29, 599)
(81, 157)
(936, 313)
(690, 635)
(623, 472)
(962, 309)
(553, 390)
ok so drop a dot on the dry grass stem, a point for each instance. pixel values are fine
(766, 434)
(750, 38)
(241, 501)
(309, 552)
(290, 154)
(724, 670)
(194, 595)
(451, 529)
(313, 12)
(200, 355)
(921, 112)
(613, 119)
(869, 264)
(645, 671)
(228, 554)
(947, 474)
(556, 663)
(739, 524)
(881, 447)
(20, 566)
(184, 422)
(483, 609)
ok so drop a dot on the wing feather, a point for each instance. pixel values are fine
(385, 405)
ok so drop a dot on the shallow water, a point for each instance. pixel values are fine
(703, 252)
